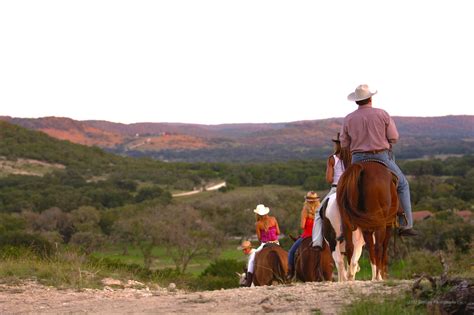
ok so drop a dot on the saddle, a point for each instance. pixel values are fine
(269, 244)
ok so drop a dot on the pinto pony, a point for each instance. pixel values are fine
(367, 199)
(271, 264)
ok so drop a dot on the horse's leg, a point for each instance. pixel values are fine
(388, 234)
(339, 261)
(379, 250)
(369, 240)
(333, 214)
(358, 241)
(349, 246)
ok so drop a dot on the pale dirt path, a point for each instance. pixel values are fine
(305, 298)
(207, 188)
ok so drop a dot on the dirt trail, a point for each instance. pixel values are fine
(329, 298)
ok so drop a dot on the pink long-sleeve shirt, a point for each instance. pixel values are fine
(368, 129)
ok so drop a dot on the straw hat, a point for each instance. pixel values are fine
(311, 196)
(261, 210)
(362, 92)
(245, 245)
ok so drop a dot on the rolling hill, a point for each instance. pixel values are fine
(420, 136)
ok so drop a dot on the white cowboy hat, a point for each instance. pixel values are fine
(362, 92)
(261, 210)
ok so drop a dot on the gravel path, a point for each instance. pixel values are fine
(327, 297)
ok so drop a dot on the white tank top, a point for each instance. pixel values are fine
(338, 169)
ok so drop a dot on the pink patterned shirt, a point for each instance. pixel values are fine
(368, 129)
(270, 235)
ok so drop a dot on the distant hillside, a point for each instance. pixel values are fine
(420, 136)
(18, 142)
(69, 129)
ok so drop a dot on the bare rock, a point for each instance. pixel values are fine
(110, 282)
(172, 287)
(135, 284)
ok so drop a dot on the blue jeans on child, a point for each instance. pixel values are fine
(291, 253)
(403, 187)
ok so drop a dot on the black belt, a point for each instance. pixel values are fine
(333, 185)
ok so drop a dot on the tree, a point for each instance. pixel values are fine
(50, 223)
(87, 234)
(141, 228)
(187, 236)
(155, 192)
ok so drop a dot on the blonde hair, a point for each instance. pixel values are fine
(264, 218)
(310, 208)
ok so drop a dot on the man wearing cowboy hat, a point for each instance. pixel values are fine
(369, 134)
(247, 249)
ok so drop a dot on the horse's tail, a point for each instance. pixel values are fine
(277, 266)
(348, 191)
(350, 197)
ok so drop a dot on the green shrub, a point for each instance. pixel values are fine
(220, 274)
(203, 283)
(416, 263)
(135, 269)
(224, 268)
(436, 232)
(23, 240)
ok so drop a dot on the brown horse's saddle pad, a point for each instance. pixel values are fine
(394, 176)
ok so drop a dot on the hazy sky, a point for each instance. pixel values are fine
(233, 61)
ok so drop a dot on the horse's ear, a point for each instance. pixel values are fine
(292, 237)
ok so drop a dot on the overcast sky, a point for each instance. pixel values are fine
(233, 61)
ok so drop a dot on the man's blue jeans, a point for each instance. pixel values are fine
(403, 187)
(291, 253)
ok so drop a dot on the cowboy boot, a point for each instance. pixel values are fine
(248, 279)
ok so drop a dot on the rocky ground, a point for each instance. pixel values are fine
(328, 298)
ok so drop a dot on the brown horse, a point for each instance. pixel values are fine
(367, 198)
(311, 264)
(271, 264)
